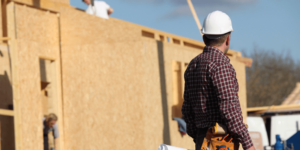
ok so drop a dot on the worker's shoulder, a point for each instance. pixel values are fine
(210, 58)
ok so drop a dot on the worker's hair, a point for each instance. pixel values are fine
(218, 40)
(51, 117)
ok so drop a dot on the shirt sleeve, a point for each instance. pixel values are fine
(55, 131)
(226, 88)
(187, 111)
(89, 10)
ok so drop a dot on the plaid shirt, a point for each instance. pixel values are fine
(211, 95)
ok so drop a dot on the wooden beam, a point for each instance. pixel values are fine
(246, 61)
(13, 44)
(6, 112)
(4, 38)
(273, 108)
(195, 15)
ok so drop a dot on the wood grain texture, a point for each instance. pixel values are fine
(5, 112)
(37, 36)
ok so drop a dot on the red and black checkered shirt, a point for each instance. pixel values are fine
(211, 95)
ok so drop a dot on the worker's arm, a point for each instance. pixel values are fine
(56, 143)
(226, 88)
(110, 11)
(55, 135)
(187, 111)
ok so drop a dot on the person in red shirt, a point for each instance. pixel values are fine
(211, 87)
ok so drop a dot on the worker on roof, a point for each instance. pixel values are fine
(100, 9)
(211, 87)
(49, 124)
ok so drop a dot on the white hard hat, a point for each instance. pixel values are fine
(216, 23)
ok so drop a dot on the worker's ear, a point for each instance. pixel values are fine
(228, 40)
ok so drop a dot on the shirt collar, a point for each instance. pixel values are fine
(210, 49)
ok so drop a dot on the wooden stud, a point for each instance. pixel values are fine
(195, 15)
(4, 38)
(11, 31)
(246, 61)
(156, 36)
(182, 70)
(273, 108)
(6, 112)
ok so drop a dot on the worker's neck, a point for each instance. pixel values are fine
(221, 48)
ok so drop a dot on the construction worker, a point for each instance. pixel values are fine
(100, 9)
(49, 124)
(211, 87)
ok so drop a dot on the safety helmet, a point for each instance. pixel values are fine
(216, 23)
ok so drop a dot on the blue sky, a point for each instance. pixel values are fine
(272, 25)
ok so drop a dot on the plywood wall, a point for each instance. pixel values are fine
(36, 35)
(241, 77)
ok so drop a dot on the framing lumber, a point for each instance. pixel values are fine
(1, 25)
(11, 31)
(4, 38)
(272, 108)
(195, 15)
(5, 112)
(246, 61)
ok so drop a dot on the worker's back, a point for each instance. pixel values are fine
(198, 78)
(99, 9)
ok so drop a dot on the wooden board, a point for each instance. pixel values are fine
(6, 112)
(35, 34)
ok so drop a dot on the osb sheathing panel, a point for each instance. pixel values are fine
(104, 87)
(37, 35)
(53, 5)
(172, 52)
(114, 90)
(82, 29)
(240, 69)
(107, 104)
(37, 26)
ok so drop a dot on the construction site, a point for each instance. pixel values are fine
(119, 92)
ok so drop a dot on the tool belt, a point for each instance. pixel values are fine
(217, 138)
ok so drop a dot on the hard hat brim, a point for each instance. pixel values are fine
(214, 36)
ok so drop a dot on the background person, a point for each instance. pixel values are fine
(100, 9)
(49, 125)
